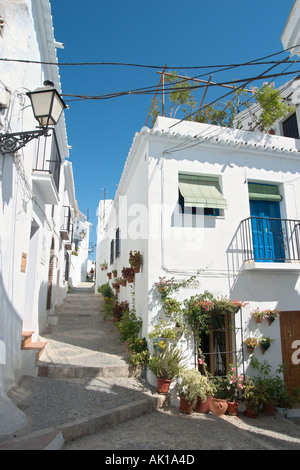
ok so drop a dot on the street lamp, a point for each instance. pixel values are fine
(47, 107)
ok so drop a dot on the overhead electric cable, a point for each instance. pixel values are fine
(125, 64)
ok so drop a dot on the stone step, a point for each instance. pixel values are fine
(40, 440)
(77, 372)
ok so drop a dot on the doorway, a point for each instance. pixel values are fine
(290, 345)
(267, 234)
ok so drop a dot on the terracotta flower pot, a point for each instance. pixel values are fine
(203, 406)
(250, 351)
(232, 409)
(218, 406)
(136, 270)
(250, 413)
(186, 406)
(109, 275)
(163, 385)
(269, 408)
(258, 320)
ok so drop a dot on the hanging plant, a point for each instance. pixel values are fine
(171, 306)
(135, 260)
(250, 343)
(265, 343)
(128, 274)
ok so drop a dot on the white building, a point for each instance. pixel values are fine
(38, 209)
(184, 201)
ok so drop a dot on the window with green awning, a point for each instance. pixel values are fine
(201, 191)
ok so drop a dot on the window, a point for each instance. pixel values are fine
(202, 192)
(290, 127)
(218, 346)
(112, 246)
(118, 244)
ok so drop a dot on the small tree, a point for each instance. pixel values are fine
(272, 105)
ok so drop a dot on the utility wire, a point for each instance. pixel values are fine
(145, 65)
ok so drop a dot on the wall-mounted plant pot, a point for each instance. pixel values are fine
(109, 275)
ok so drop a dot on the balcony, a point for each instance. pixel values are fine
(66, 227)
(46, 171)
(270, 244)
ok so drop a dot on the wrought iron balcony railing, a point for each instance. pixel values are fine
(65, 228)
(270, 240)
(48, 161)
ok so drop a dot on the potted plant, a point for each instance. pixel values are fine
(114, 273)
(250, 343)
(252, 396)
(218, 404)
(166, 365)
(103, 266)
(234, 388)
(257, 315)
(171, 306)
(191, 385)
(109, 275)
(271, 315)
(162, 334)
(119, 309)
(265, 343)
(203, 404)
(128, 274)
(135, 260)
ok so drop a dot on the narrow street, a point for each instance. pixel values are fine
(86, 397)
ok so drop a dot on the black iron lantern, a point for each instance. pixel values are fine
(47, 104)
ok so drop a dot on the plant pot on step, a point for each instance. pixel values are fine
(232, 409)
(163, 385)
(218, 406)
(203, 406)
(186, 406)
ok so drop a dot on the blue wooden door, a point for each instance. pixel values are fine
(267, 234)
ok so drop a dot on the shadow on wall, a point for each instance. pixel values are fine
(10, 338)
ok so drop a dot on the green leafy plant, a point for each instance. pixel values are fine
(235, 383)
(163, 330)
(139, 352)
(272, 106)
(192, 385)
(129, 326)
(167, 364)
(120, 308)
(172, 306)
(252, 395)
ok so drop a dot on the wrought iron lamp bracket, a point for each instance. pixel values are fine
(10, 143)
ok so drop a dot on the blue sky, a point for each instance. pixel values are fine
(172, 32)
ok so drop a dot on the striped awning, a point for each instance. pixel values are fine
(201, 191)
(264, 192)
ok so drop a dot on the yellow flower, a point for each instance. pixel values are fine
(161, 344)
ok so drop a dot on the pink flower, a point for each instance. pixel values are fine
(200, 361)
